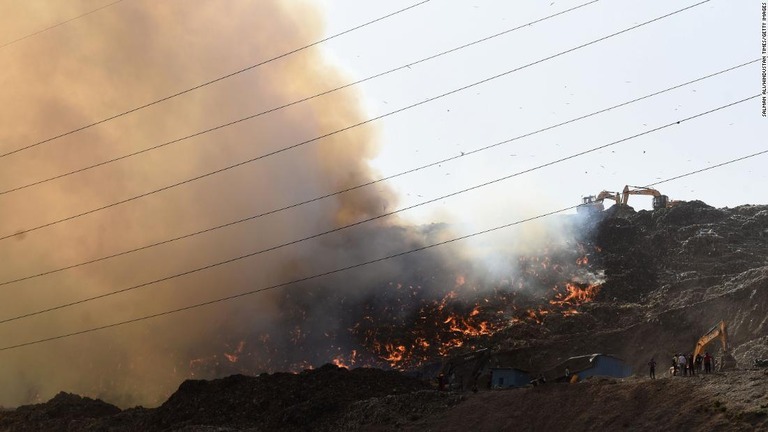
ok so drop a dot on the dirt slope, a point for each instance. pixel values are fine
(334, 399)
(309, 401)
(735, 401)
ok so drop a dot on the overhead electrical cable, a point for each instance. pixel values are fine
(342, 269)
(387, 214)
(207, 83)
(287, 105)
(297, 145)
(390, 177)
(688, 174)
(57, 25)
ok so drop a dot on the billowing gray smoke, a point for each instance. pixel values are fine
(114, 60)
(123, 57)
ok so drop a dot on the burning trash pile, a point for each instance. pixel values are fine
(435, 310)
(469, 314)
(439, 308)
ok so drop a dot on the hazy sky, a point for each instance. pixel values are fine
(694, 43)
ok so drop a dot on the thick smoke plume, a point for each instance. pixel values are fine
(138, 51)
(117, 59)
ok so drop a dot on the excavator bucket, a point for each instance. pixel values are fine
(726, 362)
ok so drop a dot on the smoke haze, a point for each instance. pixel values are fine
(123, 57)
(112, 61)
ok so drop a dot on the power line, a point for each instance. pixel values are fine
(342, 269)
(290, 104)
(316, 276)
(207, 83)
(57, 25)
(402, 173)
(297, 145)
(749, 156)
(452, 194)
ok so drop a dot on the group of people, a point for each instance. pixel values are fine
(689, 365)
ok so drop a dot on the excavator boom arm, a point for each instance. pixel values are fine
(609, 195)
(718, 331)
(659, 200)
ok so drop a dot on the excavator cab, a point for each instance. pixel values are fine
(589, 205)
(660, 202)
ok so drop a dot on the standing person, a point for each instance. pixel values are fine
(652, 366)
(698, 361)
(707, 363)
(674, 365)
(691, 370)
(681, 362)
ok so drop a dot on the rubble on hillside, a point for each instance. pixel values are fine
(313, 400)
(733, 401)
(671, 274)
(65, 412)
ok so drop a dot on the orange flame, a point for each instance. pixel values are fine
(395, 354)
(576, 295)
(340, 361)
(235, 355)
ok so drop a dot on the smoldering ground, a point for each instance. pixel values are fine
(123, 57)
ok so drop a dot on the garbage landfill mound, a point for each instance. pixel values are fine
(670, 276)
(666, 278)
(311, 400)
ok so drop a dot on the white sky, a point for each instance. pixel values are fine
(697, 42)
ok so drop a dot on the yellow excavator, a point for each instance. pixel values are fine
(594, 204)
(719, 331)
(659, 201)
